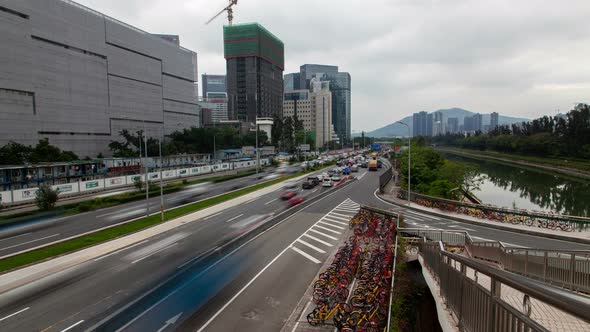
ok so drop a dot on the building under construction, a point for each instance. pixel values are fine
(255, 63)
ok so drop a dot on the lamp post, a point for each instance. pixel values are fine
(141, 137)
(409, 155)
(162, 165)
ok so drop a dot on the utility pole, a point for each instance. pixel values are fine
(147, 180)
(409, 156)
(161, 181)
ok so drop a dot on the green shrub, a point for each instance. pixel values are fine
(46, 197)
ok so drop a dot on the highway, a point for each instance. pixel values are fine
(161, 284)
(17, 238)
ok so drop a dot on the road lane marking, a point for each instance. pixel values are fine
(20, 244)
(347, 210)
(508, 244)
(234, 218)
(213, 215)
(14, 314)
(362, 176)
(352, 206)
(338, 217)
(13, 237)
(482, 238)
(71, 327)
(311, 246)
(328, 229)
(272, 200)
(153, 253)
(313, 191)
(335, 221)
(326, 235)
(340, 214)
(306, 255)
(122, 249)
(423, 215)
(331, 225)
(121, 210)
(318, 240)
(463, 228)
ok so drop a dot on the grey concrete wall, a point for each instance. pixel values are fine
(78, 77)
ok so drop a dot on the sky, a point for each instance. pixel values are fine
(525, 58)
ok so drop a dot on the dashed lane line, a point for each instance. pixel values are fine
(72, 326)
(213, 215)
(234, 218)
(153, 253)
(23, 243)
(272, 200)
(14, 314)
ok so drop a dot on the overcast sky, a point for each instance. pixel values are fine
(523, 58)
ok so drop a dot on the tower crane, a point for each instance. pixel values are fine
(230, 12)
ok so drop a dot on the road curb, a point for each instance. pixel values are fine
(491, 225)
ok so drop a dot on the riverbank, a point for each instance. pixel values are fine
(574, 168)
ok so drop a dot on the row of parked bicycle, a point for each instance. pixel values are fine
(497, 216)
(363, 264)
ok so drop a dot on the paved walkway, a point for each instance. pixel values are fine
(390, 195)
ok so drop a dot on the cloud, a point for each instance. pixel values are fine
(520, 58)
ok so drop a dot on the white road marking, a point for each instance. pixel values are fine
(318, 240)
(347, 210)
(482, 238)
(463, 228)
(335, 221)
(411, 217)
(362, 176)
(16, 313)
(118, 251)
(13, 237)
(327, 229)
(340, 214)
(213, 215)
(352, 206)
(338, 217)
(306, 255)
(71, 327)
(272, 200)
(326, 235)
(311, 246)
(120, 210)
(331, 225)
(313, 191)
(423, 215)
(20, 244)
(507, 244)
(250, 200)
(234, 218)
(155, 252)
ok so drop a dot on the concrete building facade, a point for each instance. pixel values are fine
(494, 117)
(214, 86)
(78, 77)
(453, 125)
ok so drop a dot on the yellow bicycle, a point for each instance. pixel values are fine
(321, 314)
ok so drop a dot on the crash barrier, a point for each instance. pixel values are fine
(385, 178)
(515, 216)
(475, 294)
(81, 187)
(569, 269)
(354, 291)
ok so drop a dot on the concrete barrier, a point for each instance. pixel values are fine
(5, 197)
(66, 189)
(23, 195)
(116, 182)
(91, 185)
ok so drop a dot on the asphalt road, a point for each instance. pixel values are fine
(87, 293)
(16, 238)
(254, 288)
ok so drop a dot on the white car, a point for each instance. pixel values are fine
(336, 177)
(327, 182)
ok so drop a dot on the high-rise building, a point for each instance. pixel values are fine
(291, 82)
(77, 77)
(314, 108)
(477, 122)
(255, 63)
(419, 124)
(213, 86)
(340, 85)
(494, 120)
(429, 123)
(438, 127)
(473, 123)
(453, 125)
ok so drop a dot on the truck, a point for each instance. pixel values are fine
(374, 155)
(372, 165)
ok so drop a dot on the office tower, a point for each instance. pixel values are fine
(419, 124)
(453, 125)
(340, 86)
(494, 120)
(438, 127)
(291, 82)
(477, 122)
(255, 64)
(213, 86)
(78, 77)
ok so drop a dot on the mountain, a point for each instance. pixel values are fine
(396, 129)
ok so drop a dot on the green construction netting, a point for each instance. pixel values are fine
(253, 39)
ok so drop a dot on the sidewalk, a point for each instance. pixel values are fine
(390, 195)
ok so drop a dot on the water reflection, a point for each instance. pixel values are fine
(508, 186)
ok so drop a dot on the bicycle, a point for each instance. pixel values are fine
(321, 314)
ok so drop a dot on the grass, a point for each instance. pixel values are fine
(85, 241)
(575, 164)
(104, 202)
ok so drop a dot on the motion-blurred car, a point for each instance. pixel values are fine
(308, 184)
(287, 194)
(295, 200)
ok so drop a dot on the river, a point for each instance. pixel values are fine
(526, 188)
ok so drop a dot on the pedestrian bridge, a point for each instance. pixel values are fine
(486, 286)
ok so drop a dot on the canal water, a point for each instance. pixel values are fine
(526, 188)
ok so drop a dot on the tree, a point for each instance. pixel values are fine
(288, 137)
(15, 154)
(277, 131)
(46, 197)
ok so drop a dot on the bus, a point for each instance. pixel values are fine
(372, 165)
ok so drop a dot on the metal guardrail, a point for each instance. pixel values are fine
(568, 269)
(385, 178)
(478, 308)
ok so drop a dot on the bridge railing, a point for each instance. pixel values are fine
(494, 213)
(568, 269)
(481, 298)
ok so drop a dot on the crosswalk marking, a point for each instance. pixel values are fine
(327, 229)
(331, 225)
(306, 255)
(335, 221)
(347, 210)
(311, 246)
(341, 214)
(326, 235)
(318, 240)
(338, 217)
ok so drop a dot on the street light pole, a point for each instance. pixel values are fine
(161, 181)
(147, 180)
(409, 156)
(257, 155)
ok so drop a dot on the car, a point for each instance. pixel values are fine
(295, 200)
(354, 168)
(336, 177)
(364, 164)
(287, 194)
(309, 184)
(327, 182)
(379, 164)
(346, 171)
(314, 179)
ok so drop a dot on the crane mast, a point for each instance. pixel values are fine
(230, 12)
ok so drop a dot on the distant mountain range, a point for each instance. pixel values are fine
(396, 129)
